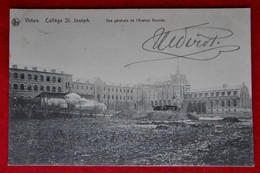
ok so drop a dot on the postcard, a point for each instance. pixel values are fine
(130, 87)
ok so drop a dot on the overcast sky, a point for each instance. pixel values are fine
(103, 49)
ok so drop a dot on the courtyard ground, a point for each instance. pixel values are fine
(130, 141)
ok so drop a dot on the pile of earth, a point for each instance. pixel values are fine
(230, 119)
(162, 115)
(124, 114)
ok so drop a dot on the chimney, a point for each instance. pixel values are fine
(44, 70)
(25, 68)
(224, 85)
(34, 68)
(62, 72)
(14, 66)
(77, 80)
(53, 70)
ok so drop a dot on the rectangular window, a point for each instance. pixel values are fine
(228, 104)
(223, 103)
(235, 103)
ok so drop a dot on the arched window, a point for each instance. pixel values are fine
(15, 75)
(48, 89)
(35, 77)
(22, 87)
(48, 78)
(41, 88)
(22, 76)
(59, 89)
(15, 86)
(29, 77)
(41, 78)
(59, 79)
(29, 87)
(35, 88)
(54, 89)
(53, 79)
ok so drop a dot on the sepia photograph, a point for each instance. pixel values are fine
(130, 87)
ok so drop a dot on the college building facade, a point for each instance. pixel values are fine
(29, 82)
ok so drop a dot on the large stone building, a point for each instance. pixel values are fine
(176, 90)
(29, 82)
(169, 92)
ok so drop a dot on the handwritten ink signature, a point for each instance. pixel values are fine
(197, 42)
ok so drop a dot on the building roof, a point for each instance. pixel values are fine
(219, 88)
(36, 69)
(51, 95)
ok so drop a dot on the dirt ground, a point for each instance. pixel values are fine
(121, 141)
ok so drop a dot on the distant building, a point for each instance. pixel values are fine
(219, 99)
(83, 88)
(115, 96)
